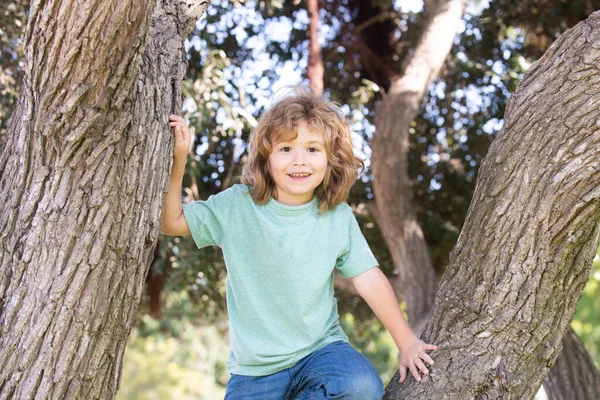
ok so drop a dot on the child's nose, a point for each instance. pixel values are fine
(299, 159)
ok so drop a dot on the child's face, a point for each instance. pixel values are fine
(298, 166)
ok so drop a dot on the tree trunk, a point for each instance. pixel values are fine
(86, 168)
(315, 68)
(525, 251)
(574, 375)
(394, 114)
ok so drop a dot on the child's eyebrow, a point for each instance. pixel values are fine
(316, 141)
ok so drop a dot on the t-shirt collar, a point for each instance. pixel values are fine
(283, 209)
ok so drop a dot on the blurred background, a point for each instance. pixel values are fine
(240, 54)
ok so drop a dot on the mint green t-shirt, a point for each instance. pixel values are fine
(280, 268)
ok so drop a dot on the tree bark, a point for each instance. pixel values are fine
(574, 375)
(525, 251)
(86, 167)
(315, 68)
(397, 219)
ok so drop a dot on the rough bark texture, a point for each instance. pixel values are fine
(86, 167)
(524, 254)
(574, 375)
(394, 114)
(315, 68)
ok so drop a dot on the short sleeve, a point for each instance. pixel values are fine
(357, 256)
(206, 218)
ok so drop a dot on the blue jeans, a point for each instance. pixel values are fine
(336, 371)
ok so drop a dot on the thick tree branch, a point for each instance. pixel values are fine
(524, 254)
(574, 375)
(394, 114)
(86, 167)
(315, 69)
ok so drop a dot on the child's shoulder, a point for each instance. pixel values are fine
(240, 191)
(235, 190)
(241, 188)
(229, 196)
(341, 211)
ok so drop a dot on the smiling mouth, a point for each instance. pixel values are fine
(303, 175)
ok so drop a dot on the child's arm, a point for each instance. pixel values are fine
(374, 287)
(173, 221)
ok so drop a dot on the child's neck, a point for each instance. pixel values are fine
(293, 201)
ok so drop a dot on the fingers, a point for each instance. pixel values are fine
(414, 359)
(178, 123)
(180, 127)
(178, 133)
(426, 358)
(176, 120)
(402, 373)
(181, 133)
(421, 366)
(173, 117)
(415, 372)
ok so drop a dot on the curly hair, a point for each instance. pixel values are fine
(280, 123)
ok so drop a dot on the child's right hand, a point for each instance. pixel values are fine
(183, 138)
(411, 359)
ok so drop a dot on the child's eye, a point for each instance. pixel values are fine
(312, 149)
(286, 149)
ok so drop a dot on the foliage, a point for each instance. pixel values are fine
(374, 342)
(195, 284)
(163, 366)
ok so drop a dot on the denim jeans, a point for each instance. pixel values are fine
(336, 371)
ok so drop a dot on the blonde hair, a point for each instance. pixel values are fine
(280, 123)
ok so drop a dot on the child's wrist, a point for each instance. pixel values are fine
(177, 171)
(405, 344)
(180, 156)
(179, 161)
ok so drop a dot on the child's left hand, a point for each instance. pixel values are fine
(412, 359)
